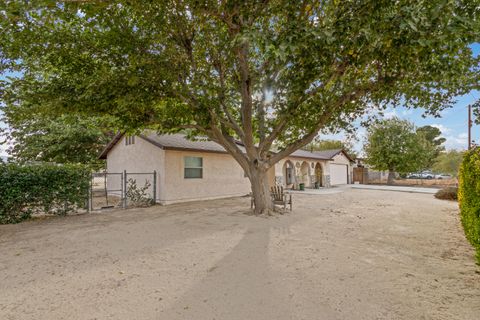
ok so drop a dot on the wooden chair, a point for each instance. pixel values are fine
(278, 197)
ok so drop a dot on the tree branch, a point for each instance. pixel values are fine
(265, 145)
(352, 95)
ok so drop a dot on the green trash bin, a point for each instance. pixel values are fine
(302, 186)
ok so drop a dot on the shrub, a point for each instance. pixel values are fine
(42, 188)
(469, 197)
(448, 193)
(138, 196)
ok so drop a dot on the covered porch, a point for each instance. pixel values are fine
(292, 172)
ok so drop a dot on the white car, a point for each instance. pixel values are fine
(443, 176)
(427, 175)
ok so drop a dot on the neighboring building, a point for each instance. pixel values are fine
(198, 170)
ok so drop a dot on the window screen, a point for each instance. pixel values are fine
(193, 167)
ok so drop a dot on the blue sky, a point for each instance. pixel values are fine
(453, 121)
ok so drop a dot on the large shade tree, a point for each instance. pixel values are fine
(270, 74)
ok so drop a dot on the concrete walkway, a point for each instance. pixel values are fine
(395, 188)
(318, 191)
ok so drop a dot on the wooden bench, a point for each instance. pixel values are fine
(278, 197)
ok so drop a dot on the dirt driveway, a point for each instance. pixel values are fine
(360, 254)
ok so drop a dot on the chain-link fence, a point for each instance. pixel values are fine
(122, 190)
(140, 189)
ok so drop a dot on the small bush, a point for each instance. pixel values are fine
(42, 188)
(448, 193)
(138, 196)
(469, 197)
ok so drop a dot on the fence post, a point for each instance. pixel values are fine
(124, 189)
(89, 194)
(154, 186)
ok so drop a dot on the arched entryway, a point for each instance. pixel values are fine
(305, 173)
(318, 174)
(288, 173)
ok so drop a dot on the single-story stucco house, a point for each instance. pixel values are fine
(197, 170)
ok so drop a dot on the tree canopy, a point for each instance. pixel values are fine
(434, 136)
(267, 73)
(328, 144)
(448, 162)
(64, 139)
(394, 145)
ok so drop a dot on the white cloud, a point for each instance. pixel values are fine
(442, 128)
(3, 150)
(407, 112)
(459, 141)
(389, 114)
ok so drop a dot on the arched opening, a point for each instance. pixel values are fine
(288, 173)
(319, 174)
(305, 173)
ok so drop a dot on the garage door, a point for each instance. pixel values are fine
(338, 174)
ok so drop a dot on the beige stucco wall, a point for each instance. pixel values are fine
(222, 177)
(142, 156)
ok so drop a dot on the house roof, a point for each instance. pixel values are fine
(180, 142)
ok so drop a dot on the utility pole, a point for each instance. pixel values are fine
(469, 127)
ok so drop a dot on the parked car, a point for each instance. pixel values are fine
(443, 176)
(421, 175)
(427, 175)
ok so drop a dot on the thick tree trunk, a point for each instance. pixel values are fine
(391, 177)
(260, 191)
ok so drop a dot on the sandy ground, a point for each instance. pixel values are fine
(360, 254)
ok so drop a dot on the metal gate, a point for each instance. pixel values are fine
(140, 188)
(122, 190)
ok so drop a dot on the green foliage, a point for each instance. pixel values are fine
(319, 145)
(448, 193)
(43, 188)
(434, 136)
(476, 111)
(63, 139)
(271, 74)
(393, 145)
(138, 196)
(448, 162)
(216, 67)
(469, 197)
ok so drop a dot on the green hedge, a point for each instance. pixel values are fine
(469, 197)
(42, 188)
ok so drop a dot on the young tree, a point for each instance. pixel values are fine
(394, 145)
(64, 139)
(271, 74)
(448, 162)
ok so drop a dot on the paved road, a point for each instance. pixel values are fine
(395, 188)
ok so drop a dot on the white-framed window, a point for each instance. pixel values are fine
(129, 140)
(193, 167)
